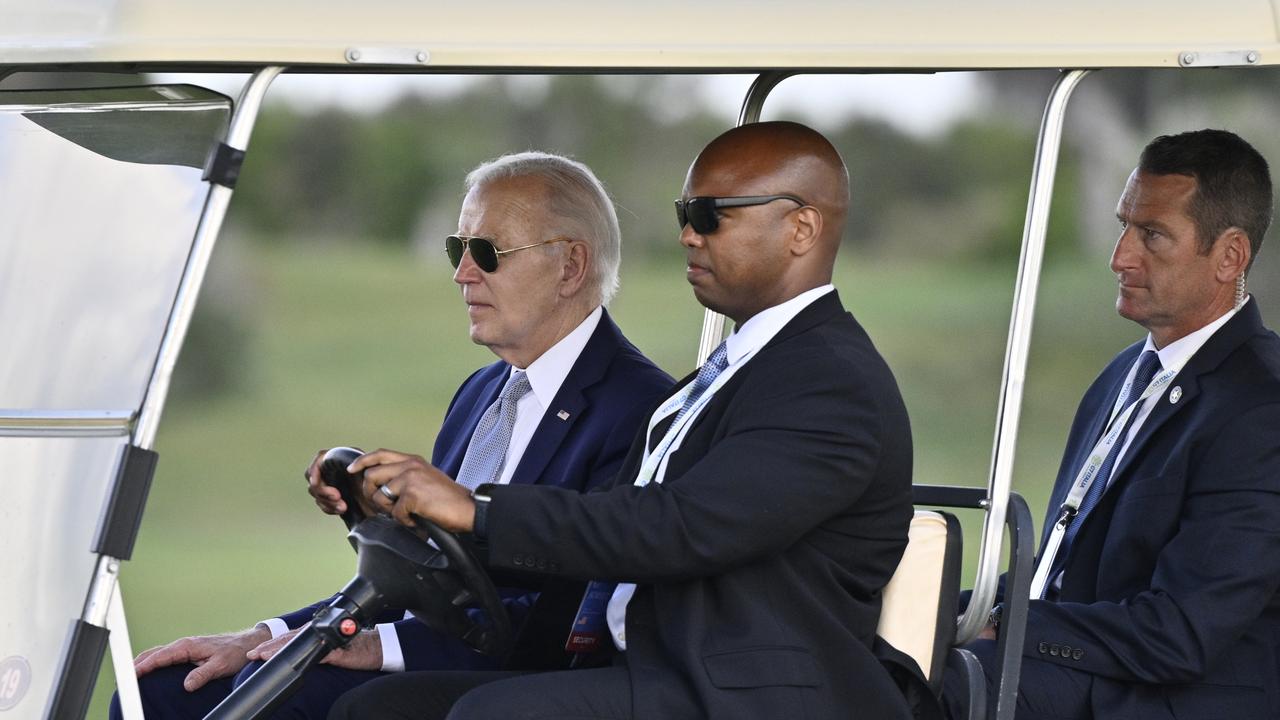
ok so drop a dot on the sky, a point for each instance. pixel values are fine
(919, 104)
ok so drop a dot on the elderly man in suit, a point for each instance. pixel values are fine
(756, 518)
(1157, 593)
(537, 254)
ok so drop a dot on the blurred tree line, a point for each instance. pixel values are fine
(394, 176)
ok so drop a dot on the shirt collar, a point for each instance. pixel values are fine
(760, 329)
(547, 373)
(1177, 353)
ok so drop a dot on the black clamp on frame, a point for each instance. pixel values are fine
(223, 165)
(119, 528)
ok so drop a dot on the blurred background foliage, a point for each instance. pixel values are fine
(329, 316)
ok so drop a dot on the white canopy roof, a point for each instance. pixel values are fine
(649, 36)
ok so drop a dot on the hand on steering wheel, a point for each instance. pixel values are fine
(437, 588)
(404, 486)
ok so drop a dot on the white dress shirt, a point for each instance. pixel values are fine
(1174, 355)
(741, 346)
(546, 375)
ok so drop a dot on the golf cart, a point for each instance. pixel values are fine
(113, 198)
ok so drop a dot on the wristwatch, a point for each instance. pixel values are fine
(997, 614)
(482, 495)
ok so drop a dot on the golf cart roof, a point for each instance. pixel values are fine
(655, 36)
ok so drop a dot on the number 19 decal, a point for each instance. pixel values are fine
(15, 677)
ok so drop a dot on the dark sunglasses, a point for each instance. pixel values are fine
(483, 251)
(700, 212)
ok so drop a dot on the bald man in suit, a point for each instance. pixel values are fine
(759, 513)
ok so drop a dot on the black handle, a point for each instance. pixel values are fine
(333, 470)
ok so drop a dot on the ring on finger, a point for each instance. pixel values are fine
(388, 493)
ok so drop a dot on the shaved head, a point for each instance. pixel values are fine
(762, 255)
(784, 157)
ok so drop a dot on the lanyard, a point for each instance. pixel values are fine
(653, 460)
(1089, 473)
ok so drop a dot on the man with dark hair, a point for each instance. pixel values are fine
(1157, 589)
(758, 515)
(1233, 182)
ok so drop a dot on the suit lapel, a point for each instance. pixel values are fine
(822, 310)
(1222, 343)
(570, 402)
(453, 460)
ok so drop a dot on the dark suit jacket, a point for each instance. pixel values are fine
(606, 395)
(761, 557)
(1169, 596)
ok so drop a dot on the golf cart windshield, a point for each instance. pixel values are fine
(83, 310)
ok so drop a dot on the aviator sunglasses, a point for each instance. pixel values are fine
(483, 251)
(700, 212)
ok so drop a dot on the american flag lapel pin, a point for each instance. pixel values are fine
(563, 414)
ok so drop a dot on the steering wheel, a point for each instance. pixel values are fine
(426, 569)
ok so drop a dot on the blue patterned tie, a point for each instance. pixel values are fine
(707, 374)
(488, 447)
(1148, 366)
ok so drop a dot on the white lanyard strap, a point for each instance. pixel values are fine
(653, 458)
(1089, 473)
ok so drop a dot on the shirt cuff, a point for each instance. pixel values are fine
(392, 657)
(276, 626)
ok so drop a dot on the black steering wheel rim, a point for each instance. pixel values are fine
(476, 588)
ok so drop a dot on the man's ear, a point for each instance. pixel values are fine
(575, 265)
(808, 228)
(1233, 252)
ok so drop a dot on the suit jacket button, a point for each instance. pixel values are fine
(542, 563)
(553, 566)
(1077, 654)
(1043, 648)
(1054, 650)
(518, 559)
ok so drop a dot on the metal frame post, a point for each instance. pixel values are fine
(1016, 353)
(104, 606)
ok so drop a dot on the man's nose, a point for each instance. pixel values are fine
(467, 270)
(690, 238)
(1122, 255)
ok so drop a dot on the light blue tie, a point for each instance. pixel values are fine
(487, 450)
(1148, 366)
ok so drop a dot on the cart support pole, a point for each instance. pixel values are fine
(1016, 352)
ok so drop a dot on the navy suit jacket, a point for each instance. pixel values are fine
(761, 557)
(605, 396)
(1169, 596)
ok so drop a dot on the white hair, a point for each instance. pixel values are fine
(578, 197)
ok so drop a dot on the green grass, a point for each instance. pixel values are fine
(366, 346)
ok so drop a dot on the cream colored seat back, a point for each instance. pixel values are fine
(919, 609)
